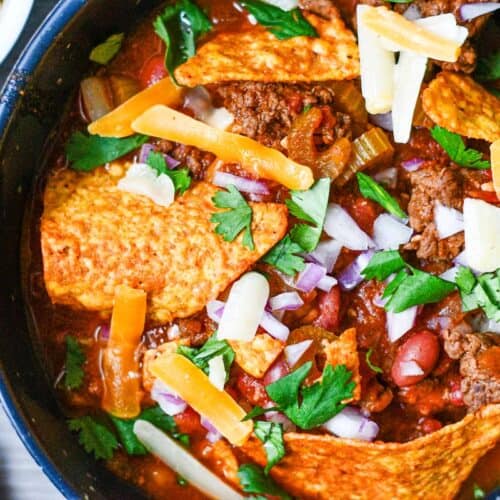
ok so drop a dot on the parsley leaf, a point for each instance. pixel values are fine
(154, 415)
(281, 23)
(310, 206)
(238, 218)
(283, 256)
(211, 349)
(73, 377)
(180, 177)
(478, 492)
(94, 437)
(86, 152)
(320, 401)
(465, 279)
(395, 282)
(373, 367)
(179, 26)
(271, 434)
(488, 68)
(254, 480)
(454, 145)
(374, 191)
(104, 52)
(383, 264)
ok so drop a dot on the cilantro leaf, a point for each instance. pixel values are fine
(373, 367)
(73, 377)
(271, 434)
(465, 279)
(488, 68)
(180, 177)
(454, 145)
(395, 282)
(156, 416)
(238, 218)
(310, 206)
(281, 23)
(481, 292)
(211, 349)
(94, 437)
(254, 480)
(383, 264)
(258, 411)
(478, 492)
(86, 152)
(374, 191)
(180, 26)
(320, 401)
(104, 52)
(283, 256)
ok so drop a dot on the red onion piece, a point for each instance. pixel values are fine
(351, 277)
(469, 11)
(288, 301)
(173, 332)
(388, 177)
(383, 121)
(224, 179)
(294, 352)
(412, 13)
(277, 371)
(309, 278)
(400, 323)
(413, 164)
(389, 232)
(326, 254)
(215, 308)
(279, 418)
(213, 434)
(448, 220)
(169, 402)
(410, 369)
(96, 98)
(327, 283)
(147, 149)
(450, 274)
(379, 301)
(350, 423)
(104, 331)
(274, 327)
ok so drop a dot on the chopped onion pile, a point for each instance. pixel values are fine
(448, 220)
(400, 323)
(469, 11)
(169, 402)
(147, 149)
(198, 100)
(411, 369)
(350, 423)
(294, 352)
(288, 301)
(182, 462)
(389, 233)
(351, 277)
(225, 179)
(217, 372)
(326, 254)
(141, 179)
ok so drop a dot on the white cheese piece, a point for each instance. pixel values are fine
(143, 180)
(219, 118)
(482, 235)
(217, 372)
(284, 4)
(448, 220)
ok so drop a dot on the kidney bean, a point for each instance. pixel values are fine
(423, 348)
(329, 307)
(430, 425)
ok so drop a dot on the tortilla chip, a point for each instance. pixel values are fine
(344, 351)
(257, 55)
(221, 459)
(95, 237)
(459, 104)
(432, 467)
(257, 356)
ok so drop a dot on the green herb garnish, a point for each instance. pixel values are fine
(454, 145)
(383, 264)
(258, 411)
(75, 358)
(488, 68)
(235, 220)
(372, 367)
(104, 52)
(180, 177)
(254, 480)
(180, 26)
(86, 152)
(478, 492)
(94, 437)
(271, 435)
(285, 257)
(281, 23)
(374, 191)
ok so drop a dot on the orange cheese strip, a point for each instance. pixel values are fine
(409, 36)
(264, 162)
(495, 165)
(194, 387)
(118, 122)
(120, 366)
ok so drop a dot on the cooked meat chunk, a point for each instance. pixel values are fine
(321, 8)
(265, 111)
(479, 355)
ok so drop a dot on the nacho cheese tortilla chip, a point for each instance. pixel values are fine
(459, 104)
(432, 467)
(257, 55)
(95, 237)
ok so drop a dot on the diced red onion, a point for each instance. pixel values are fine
(400, 323)
(448, 220)
(169, 402)
(96, 98)
(450, 274)
(413, 164)
(351, 277)
(104, 331)
(379, 301)
(213, 434)
(274, 327)
(279, 418)
(173, 332)
(326, 254)
(310, 277)
(412, 13)
(410, 369)
(288, 301)
(294, 352)
(350, 423)
(383, 121)
(224, 179)
(388, 177)
(147, 149)
(327, 283)
(284, 4)
(469, 11)
(461, 259)
(389, 232)
(277, 371)
(215, 308)
(341, 226)
(198, 100)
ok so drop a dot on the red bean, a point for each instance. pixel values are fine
(329, 310)
(423, 349)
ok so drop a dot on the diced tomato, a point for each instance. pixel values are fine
(487, 196)
(153, 71)
(430, 425)
(252, 389)
(188, 422)
(364, 212)
(329, 307)
(455, 395)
